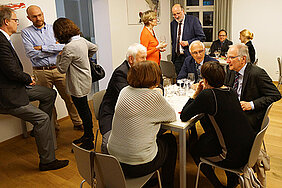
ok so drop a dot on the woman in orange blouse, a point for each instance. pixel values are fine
(148, 37)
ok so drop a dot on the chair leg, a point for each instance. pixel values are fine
(159, 179)
(198, 174)
(95, 144)
(82, 183)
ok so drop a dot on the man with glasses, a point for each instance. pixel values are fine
(184, 30)
(221, 44)
(15, 93)
(193, 63)
(252, 84)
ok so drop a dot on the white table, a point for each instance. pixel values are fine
(177, 102)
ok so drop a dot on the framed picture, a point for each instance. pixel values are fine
(135, 7)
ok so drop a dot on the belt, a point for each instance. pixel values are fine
(45, 68)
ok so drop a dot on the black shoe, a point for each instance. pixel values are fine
(88, 145)
(83, 139)
(54, 165)
(32, 133)
(78, 127)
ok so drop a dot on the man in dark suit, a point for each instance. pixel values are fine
(253, 85)
(193, 63)
(135, 53)
(14, 97)
(221, 44)
(184, 30)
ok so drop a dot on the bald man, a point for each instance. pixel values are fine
(42, 49)
(184, 30)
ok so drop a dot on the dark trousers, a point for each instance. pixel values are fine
(39, 118)
(165, 159)
(208, 146)
(81, 104)
(178, 62)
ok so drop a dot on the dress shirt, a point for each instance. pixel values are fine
(240, 83)
(182, 26)
(32, 36)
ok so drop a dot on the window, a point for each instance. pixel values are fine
(204, 10)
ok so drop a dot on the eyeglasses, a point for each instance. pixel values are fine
(232, 57)
(221, 35)
(16, 20)
(199, 52)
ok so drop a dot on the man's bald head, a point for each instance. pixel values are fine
(35, 14)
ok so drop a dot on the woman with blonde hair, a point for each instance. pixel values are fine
(148, 37)
(246, 36)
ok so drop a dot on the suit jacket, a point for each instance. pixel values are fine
(12, 77)
(189, 66)
(150, 41)
(192, 31)
(107, 107)
(257, 86)
(252, 51)
(217, 44)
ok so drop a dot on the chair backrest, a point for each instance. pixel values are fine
(266, 116)
(279, 66)
(97, 99)
(108, 171)
(257, 144)
(84, 161)
(168, 69)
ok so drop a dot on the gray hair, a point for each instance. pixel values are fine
(242, 50)
(134, 49)
(196, 42)
(5, 13)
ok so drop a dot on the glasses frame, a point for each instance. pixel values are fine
(16, 20)
(199, 52)
(232, 58)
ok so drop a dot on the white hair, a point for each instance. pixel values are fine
(242, 50)
(196, 42)
(134, 49)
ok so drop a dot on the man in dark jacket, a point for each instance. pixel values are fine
(135, 53)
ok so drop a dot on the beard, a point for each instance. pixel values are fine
(38, 23)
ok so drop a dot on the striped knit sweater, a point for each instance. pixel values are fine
(136, 122)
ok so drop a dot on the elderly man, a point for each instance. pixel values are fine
(184, 30)
(192, 64)
(15, 95)
(253, 85)
(221, 44)
(42, 49)
(135, 53)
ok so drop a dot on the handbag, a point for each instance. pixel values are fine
(97, 71)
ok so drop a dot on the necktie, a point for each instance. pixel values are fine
(236, 82)
(178, 39)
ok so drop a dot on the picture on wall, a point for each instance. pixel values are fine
(135, 8)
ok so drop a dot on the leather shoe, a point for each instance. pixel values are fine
(83, 139)
(78, 127)
(54, 165)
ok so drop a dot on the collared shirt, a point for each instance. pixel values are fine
(182, 26)
(240, 84)
(32, 36)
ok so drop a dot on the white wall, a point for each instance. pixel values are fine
(263, 18)
(10, 126)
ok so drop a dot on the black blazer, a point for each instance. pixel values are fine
(192, 31)
(252, 51)
(12, 77)
(257, 86)
(217, 44)
(107, 107)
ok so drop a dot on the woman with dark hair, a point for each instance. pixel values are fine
(74, 61)
(139, 112)
(228, 135)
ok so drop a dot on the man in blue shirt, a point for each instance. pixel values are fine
(42, 49)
